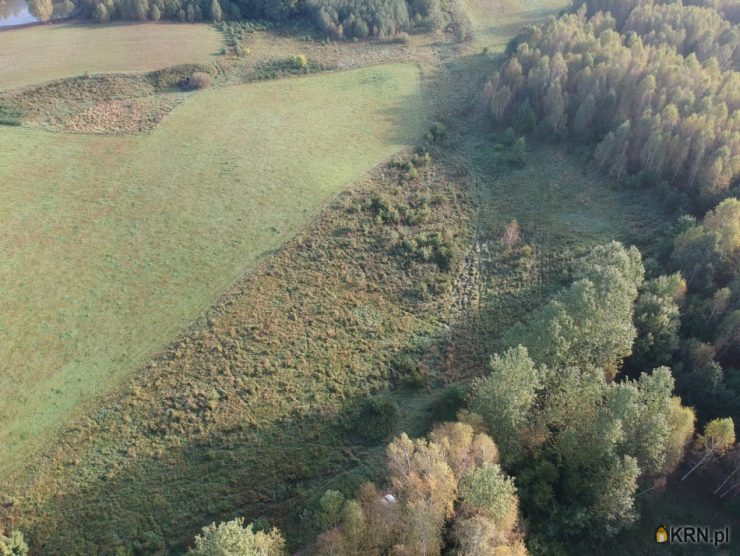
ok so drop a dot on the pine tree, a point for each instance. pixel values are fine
(216, 13)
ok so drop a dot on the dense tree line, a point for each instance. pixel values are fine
(699, 327)
(580, 444)
(660, 99)
(340, 18)
(360, 18)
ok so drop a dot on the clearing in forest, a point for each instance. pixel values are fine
(32, 56)
(109, 245)
(496, 21)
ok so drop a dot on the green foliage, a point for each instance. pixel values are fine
(215, 133)
(597, 439)
(9, 115)
(381, 18)
(486, 488)
(340, 18)
(644, 408)
(579, 445)
(299, 62)
(277, 69)
(436, 132)
(101, 14)
(657, 320)
(427, 247)
(41, 9)
(505, 400)
(332, 504)
(378, 418)
(590, 323)
(232, 539)
(13, 545)
(681, 422)
(603, 81)
(516, 152)
(704, 388)
(216, 12)
(614, 506)
(451, 401)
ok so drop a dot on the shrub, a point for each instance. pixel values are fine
(167, 77)
(378, 418)
(14, 545)
(400, 38)
(332, 503)
(416, 380)
(299, 62)
(518, 153)
(10, 115)
(437, 131)
(450, 402)
(446, 256)
(200, 80)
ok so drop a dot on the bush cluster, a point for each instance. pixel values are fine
(200, 80)
(378, 418)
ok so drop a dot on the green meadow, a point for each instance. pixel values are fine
(494, 23)
(33, 56)
(109, 245)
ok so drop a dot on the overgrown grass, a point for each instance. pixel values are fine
(112, 244)
(32, 56)
(563, 208)
(252, 412)
(102, 103)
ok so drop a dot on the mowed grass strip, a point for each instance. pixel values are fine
(110, 245)
(40, 54)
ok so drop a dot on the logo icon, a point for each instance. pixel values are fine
(661, 535)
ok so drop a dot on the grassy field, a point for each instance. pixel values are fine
(494, 22)
(110, 245)
(31, 56)
(250, 412)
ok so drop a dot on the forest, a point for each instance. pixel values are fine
(651, 98)
(337, 18)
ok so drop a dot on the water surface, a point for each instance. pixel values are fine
(15, 12)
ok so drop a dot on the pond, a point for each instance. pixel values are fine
(15, 12)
